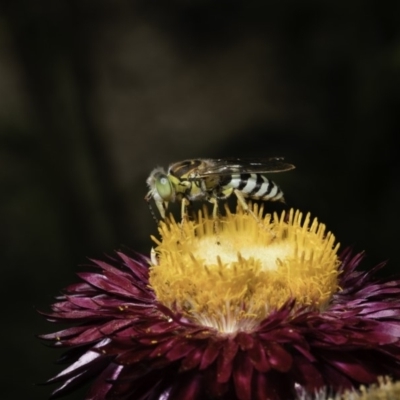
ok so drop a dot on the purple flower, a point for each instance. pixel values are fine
(249, 309)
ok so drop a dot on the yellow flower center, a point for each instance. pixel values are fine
(231, 273)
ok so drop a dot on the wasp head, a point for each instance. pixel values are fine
(161, 189)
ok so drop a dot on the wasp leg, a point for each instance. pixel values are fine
(246, 208)
(214, 202)
(243, 203)
(184, 205)
(241, 199)
(215, 213)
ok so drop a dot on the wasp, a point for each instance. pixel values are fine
(215, 179)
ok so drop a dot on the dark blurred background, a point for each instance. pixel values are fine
(94, 94)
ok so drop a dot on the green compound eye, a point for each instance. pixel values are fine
(164, 187)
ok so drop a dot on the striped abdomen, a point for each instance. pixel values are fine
(255, 186)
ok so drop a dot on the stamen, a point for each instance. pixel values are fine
(233, 284)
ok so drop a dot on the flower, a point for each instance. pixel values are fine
(246, 307)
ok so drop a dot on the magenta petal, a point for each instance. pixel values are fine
(210, 353)
(186, 389)
(83, 302)
(305, 351)
(273, 386)
(225, 360)
(242, 376)
(138, 268)
(353, 368)
(261, 385)
(335, 378)
(391, 328)
(192, 359)
(158, 327)
(113, 326)
(307, 374)
(215, 389)
(102, 283)
(64, 334)
(165, 345)
(104, 383)
(81, 364)
(279, 358)
(244, 340)
(180, 350)
(97, 333)
(258, 357)
(133, 356)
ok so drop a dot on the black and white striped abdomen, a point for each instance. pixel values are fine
(255, 186)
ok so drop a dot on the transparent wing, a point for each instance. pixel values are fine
(227, 166)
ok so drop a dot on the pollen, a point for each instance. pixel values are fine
(230, 274)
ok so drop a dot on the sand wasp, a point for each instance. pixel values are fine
(213, 180)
